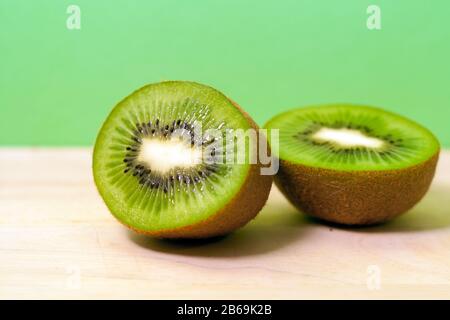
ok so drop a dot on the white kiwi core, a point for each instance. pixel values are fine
(163, 156)
(347, 138)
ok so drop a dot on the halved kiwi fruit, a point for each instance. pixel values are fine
(353, 165)
(161, 172)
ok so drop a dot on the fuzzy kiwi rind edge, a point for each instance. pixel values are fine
(355, 197)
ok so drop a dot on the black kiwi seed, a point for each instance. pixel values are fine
(143, 173)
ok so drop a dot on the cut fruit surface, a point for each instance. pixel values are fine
(348, 137)
(159, 168)
(353, 165)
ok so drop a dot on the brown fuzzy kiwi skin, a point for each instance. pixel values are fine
(244, 206)
(355, 197)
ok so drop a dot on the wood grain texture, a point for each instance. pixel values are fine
(57, 240)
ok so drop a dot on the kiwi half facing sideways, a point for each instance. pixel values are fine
(162, 172)
(353, 165)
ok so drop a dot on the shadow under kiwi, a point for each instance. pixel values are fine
(432, 212)
(277, 225)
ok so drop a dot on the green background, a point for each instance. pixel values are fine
(57, 85)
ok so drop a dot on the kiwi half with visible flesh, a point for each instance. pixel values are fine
(177, 186)
(353, 165)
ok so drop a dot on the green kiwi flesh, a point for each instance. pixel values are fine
(183, 200)
(353, 165)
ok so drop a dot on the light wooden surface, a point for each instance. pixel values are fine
(57, 240)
